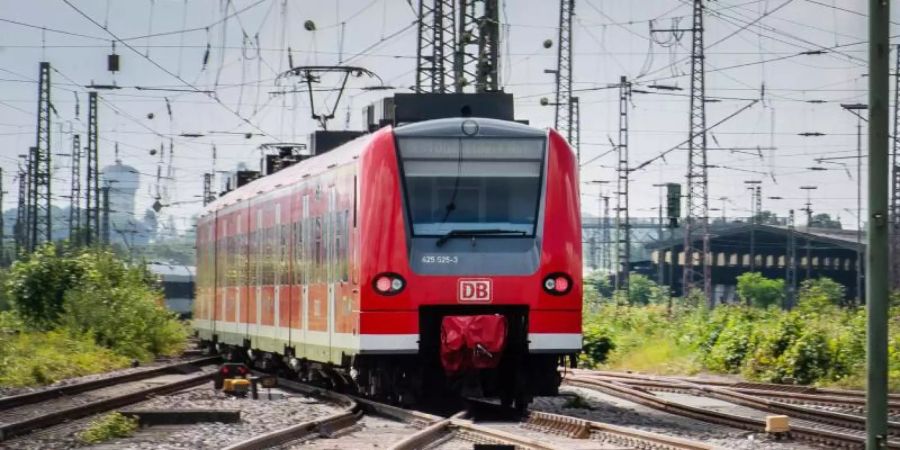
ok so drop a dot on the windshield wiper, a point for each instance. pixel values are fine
(478, 232)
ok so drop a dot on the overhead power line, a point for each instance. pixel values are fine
(164, 69)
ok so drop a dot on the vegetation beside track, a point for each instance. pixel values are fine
(820, 341)
(111, 426)
(72, 312)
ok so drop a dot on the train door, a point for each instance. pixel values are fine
(331, 265)
(239, 270)
(279, 268)
(259, 236)
(224, 265)
(306, 229)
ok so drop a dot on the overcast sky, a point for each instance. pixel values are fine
(749, 44)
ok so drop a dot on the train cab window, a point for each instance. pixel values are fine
(458, 184)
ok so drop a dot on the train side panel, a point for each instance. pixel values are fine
(280, 269)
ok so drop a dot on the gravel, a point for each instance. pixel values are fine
(612, 410)
(257, 417)
(368, 434)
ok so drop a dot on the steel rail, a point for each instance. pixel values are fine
(807, 432)
(632, 437)
(812, 390)
(8, 430)
(347, 416)
(810, 396)
(434, 428)
(325, 425)
(77, 388)
(851, 421)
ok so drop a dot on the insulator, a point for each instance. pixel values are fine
(206, 57)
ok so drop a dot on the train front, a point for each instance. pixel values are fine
(471, 260)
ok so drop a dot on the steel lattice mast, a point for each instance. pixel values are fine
(623, 232)
(477, 57)
(75, 197)
(436, 46)
(92, 191)
(41, 226)
(208, 195)
(22, 227)
(563, 119)
(697, 220)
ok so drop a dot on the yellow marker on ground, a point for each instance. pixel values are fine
(777, 424)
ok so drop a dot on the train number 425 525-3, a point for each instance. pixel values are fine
(439, 259)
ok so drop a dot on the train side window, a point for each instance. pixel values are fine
(259, 234)
(298, 252)
(271, 260)
(346, 252)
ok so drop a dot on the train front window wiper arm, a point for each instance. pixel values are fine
(476, 232)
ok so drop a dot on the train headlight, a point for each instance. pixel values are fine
(388, 283)
(557, 284)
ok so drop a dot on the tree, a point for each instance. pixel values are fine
(825, 221)
(641, 290)
(767, 217)
(822, 290)
(757, 290)
(600, 283)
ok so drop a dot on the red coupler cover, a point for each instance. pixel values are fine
(472, 342)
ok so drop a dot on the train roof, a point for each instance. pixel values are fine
(349, 151)
(317, 164)
(166, 269)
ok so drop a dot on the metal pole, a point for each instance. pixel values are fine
(661, 270)
(790, 265)
(877, 236)
(859, 237)
(895, 181)
(2, 234)
(607, 260)
(104, 226)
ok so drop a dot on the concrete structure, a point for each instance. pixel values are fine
(819, 252)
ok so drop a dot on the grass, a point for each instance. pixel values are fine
(661, 356)
(110, 426)
(39, 358)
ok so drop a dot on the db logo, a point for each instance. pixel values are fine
(474, 290)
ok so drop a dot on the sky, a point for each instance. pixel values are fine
(810, 56)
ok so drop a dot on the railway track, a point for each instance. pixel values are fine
(852, 401)
(811, 425)
(435, 429)
(762, 402)
(25, 413)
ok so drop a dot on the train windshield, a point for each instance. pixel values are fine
(458, 184)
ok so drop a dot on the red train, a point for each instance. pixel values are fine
(443, 254)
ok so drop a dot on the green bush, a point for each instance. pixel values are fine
(816, 342)
(81, 311)
(112, 425)
(37, 284)
(757, 290)
(821, 291)
(116, 304)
